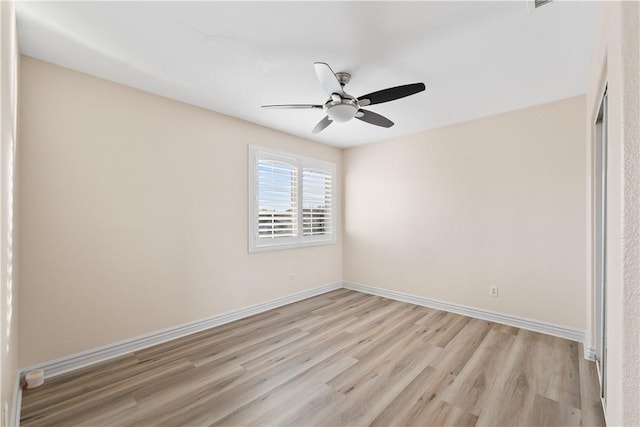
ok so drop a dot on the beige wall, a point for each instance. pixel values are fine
(446, 213)
(134, 215)
(616, 63)
(9, 59)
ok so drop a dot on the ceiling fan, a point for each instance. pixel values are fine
(342, 107)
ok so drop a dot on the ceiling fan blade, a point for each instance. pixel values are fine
(373, 118)
(293, 106)
(328, 78)
(390, 94)
(322, 124)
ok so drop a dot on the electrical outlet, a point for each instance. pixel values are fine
(493, 291)
(293, 276)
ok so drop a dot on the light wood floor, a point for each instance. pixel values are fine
(341, 358)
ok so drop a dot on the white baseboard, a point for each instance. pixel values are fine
(83, 359)
(100, 354)
(86, 358)
(589, 352)
(75, 361)
(505, 319)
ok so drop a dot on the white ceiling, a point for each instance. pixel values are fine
(476, 58)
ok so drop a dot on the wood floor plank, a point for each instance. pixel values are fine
(477, 380)
(561, 379)
(347, 301)
(246, 349)
(416, 399)
(433, 318)
(340, 358)
(548, 412)
(512, 404)
(218, 406)
(443, 334)
(61, 412)
(380, 317)
(505, 329)
(275, 407)
(460, 349)
(302, 388)
(305, 414)
(161, 399)
(443, 414)
(105, 414)
(337, 293)
(403, 326)
(537, 365)
(75, 384)
(278, 355)
(395, 346)
(369, 394)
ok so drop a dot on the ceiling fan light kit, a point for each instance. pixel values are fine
(342, 107)
(342, 110)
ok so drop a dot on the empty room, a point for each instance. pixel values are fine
(284, 213)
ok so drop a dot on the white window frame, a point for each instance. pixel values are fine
(301, 162)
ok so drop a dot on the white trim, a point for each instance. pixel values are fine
(589, 352)
(100, 354)
(294, 245)
(83, 359)
(300, 163)
(96, 355)
(14, 419)
(505, 319)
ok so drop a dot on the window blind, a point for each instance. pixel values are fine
(277, 197)
(291, 200)
(317, 202)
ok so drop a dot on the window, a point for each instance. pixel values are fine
(291, 200)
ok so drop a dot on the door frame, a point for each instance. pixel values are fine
(600, 241)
